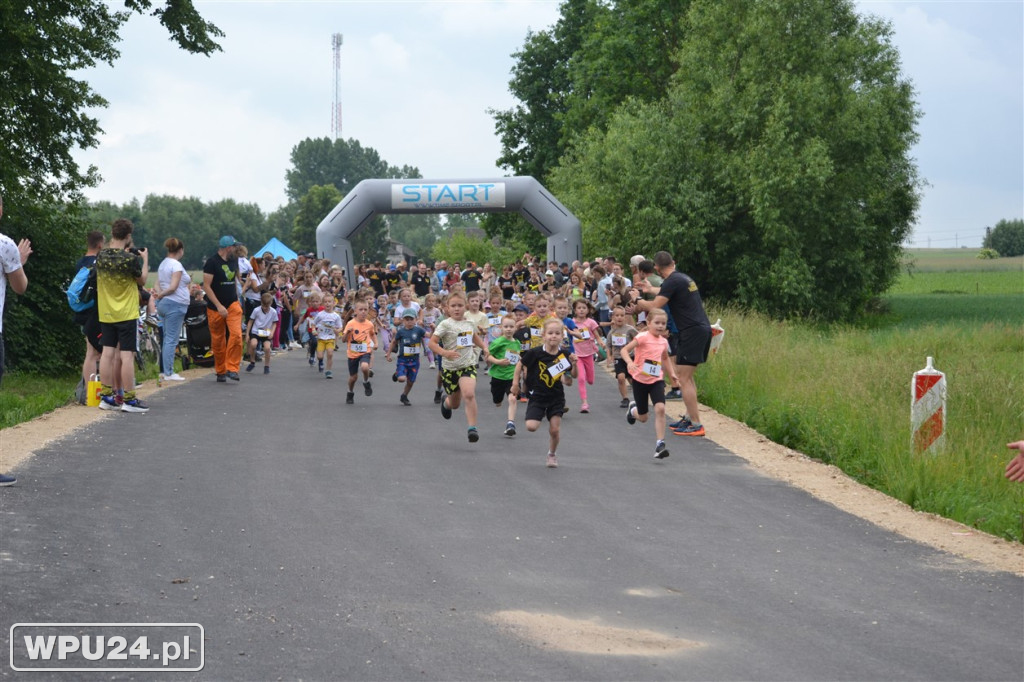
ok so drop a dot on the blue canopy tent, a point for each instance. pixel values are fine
(276, 247)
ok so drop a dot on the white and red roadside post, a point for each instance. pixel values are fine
(928, 410)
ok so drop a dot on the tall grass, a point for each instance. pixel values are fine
(842, 395)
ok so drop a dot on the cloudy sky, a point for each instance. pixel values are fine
(417, 78)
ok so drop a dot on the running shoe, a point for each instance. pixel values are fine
(367, 388)
(250, 367)
(328, 374)
(310, 361)
(630, 417)
(6, 480)
(371, 373)
(624, 403)
(110, 402)
(404, 399)
(674, 394)
(266, 370)
(510, 429)
(319, 365)
(585, 409)
(691, 430)
(350, 398)
(431, 365)
(473, 434)
(437, 397)
(660, 450)
(446, 411)
(394, 377)
(233, 376)
(222, 378)
(134, 405)
(683, 422)
(173, 377)
(552, 461)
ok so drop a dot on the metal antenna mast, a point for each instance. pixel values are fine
(336, 40)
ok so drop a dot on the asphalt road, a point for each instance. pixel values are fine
(316, 541)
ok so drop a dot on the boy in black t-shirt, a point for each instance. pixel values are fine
(546, 368)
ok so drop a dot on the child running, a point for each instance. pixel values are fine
(313, 307)
(546, 367)
(619, 334)
(585, 346)
(358, 335)
(262, 325)
(408, 342)
(454, 341)
(327, 324)
(431, 316)
(503, 356)
(647, 367)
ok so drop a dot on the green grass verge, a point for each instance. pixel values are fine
(24, 397)
(842, 395)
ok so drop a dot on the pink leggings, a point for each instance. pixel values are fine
(585, 368)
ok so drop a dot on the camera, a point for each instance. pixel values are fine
(134, 249)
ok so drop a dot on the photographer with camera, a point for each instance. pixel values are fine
(120, 269)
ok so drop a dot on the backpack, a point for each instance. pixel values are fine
(82, 290)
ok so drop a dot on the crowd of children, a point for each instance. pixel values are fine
(531, 345)
(530, 350)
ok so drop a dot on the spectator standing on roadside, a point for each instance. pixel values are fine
(223, 311)
(12, 265)
(120, 270)
(679, 292)
(88, 318)
(420, 282)
(172, 302)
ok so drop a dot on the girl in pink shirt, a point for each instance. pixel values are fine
(585, 346)
(647, 360)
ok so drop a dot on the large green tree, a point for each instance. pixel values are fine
(44, 116)
(342, 164)
(777, 169)
(1007, 237)
(572, 77)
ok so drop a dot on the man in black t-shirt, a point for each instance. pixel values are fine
(679, 292)
(392, 280)
(223, 311)
(471, 278)
(420, 281)
(376, 278)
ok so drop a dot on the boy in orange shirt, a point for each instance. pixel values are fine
(358, 335)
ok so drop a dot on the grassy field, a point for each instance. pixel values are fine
(842, 394)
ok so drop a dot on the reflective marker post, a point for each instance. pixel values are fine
(928, 410)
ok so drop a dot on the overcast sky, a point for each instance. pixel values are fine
(417, 78)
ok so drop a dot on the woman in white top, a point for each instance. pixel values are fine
(172, 301)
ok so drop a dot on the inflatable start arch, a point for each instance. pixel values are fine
(500, 195)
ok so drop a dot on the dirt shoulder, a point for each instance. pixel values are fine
(824, 481)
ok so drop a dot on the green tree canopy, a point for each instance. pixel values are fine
(777, 168)
(43, 118)
(1007, 238)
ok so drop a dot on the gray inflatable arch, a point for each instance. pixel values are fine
(500, 195)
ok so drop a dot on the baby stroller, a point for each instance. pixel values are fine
(197, 337)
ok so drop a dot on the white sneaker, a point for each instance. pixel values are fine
(431, 365)
(173, 377)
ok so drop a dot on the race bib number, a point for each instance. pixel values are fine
(358, 347)
(464, 339)
(263, 333)
(512, 358)
(305, 294)
(584, 334)
(651, 368)
(494, 321)
(619, 341)
(558, 369)
(535, 332)
(412, 350)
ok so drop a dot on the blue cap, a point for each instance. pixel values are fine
(226, 241)
(520, 308)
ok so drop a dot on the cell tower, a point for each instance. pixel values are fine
(336, 41)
